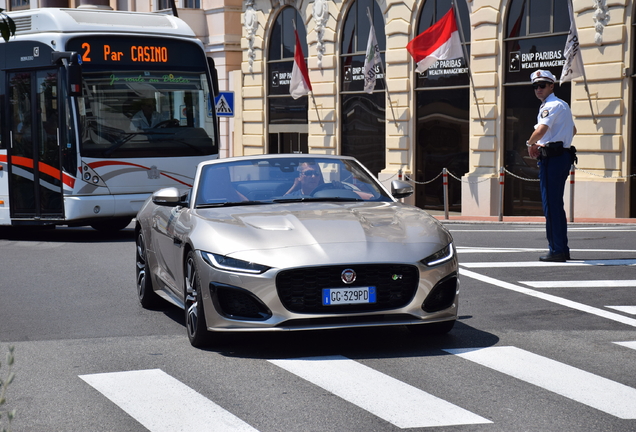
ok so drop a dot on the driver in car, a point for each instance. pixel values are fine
(148, 117)
(309, 178)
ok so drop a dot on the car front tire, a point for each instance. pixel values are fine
(146, 295)
(193, 304)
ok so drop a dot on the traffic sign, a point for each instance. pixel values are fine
(224, 104)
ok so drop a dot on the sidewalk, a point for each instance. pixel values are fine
(457, 217)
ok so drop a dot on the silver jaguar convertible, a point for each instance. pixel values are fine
(294, 242)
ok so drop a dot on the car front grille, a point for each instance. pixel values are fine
(300, 290)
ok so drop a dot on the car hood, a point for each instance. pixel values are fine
(319, 233)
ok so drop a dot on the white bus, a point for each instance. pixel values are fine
(98, 110)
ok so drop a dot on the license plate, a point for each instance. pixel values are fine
(353, 295)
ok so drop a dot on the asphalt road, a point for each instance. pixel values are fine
(538, 347)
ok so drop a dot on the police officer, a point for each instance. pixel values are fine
(551, 143)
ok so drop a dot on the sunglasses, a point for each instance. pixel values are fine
(310, 173)
(539, 85)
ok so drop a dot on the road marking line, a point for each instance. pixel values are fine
(542, 230)
(626, 309)
(597, 392)
(468, 249)
(549, 297)
(388, 398)
(581, 284)
(631, 345)
(162, 403)
(527, 264)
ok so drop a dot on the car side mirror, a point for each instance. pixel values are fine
(400, 189)
(167, 197)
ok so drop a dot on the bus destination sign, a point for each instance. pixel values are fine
(136, 53)
(130, 50)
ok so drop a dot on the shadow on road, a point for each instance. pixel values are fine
(65, 234)
(379, 342)
(373, 342)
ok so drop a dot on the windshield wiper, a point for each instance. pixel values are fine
(231, 204)
(308, 199)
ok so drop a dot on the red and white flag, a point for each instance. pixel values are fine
(439, 42)
(299, 85)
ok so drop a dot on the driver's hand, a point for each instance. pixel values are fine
(295, 186)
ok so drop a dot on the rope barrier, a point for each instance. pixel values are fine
(502, 172)
(508, 173)
(519, 177)
(605, 177)
(423, 183)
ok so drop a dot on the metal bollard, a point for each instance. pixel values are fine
(445, 184)
(501, 192)
(572, 193)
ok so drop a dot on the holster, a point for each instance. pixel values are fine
(572, 150)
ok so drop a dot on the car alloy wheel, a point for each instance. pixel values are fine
(145, 293)
(193, 304)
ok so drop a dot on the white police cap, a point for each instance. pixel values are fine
(542, 75)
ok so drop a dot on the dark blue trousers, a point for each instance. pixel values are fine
(553, 173)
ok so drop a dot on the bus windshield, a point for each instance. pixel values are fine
(146, 113)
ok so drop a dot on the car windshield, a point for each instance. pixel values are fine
(283, 180)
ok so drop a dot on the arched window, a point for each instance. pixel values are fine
(535, 36)
(287, 128)
(362, 114)
(443, 99)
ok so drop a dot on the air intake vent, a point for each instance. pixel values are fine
(114, 19)
(22, 24)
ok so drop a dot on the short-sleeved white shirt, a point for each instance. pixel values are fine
(556, 115)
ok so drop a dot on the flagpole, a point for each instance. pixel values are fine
(470, 74)
(388, 94)
(589, 99)
(316, 106)
(311, 92)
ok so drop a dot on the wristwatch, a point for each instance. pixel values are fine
(528, 144)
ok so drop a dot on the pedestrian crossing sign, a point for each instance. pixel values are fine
(224, 104)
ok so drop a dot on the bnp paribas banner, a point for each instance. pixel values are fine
(524, 56)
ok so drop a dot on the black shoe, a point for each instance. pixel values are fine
(555, 257)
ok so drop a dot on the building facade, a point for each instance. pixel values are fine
(415, 125)
(412, 126)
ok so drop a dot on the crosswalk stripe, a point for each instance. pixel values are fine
(529, 264)
(597, 392)
(549, 297)
(388, 398)
(625, 309)
(162, 403)
(631, 344)
(581, 284)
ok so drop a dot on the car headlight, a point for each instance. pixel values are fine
(441, 256)
(232, 264)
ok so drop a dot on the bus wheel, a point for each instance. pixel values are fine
(147, 297)
(111, 225)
